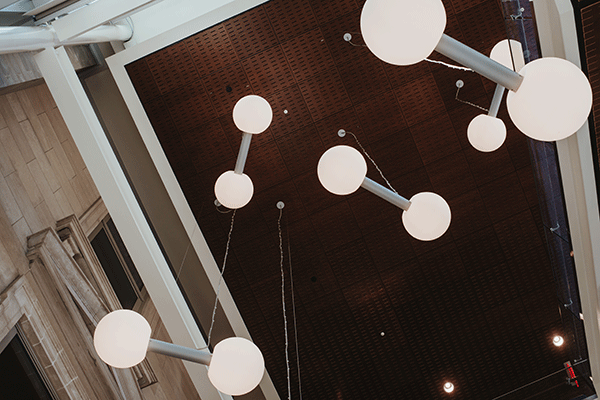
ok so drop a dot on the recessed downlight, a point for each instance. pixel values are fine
(558, 340)
(448, 387)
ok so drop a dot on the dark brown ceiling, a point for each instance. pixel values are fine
(476, 307)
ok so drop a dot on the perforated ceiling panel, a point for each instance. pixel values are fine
(380, 315)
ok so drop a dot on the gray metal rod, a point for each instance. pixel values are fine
(181, 352)
(385, 193)
(496, 100)
(243, 154)
(479, 63)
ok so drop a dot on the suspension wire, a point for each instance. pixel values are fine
(461, 68)
(287, 228)
(214, 312)
(185, 254)
(356, 45)
(372, 161)
(468, 102)
(538, 380)
(449, 65)
(287, 357)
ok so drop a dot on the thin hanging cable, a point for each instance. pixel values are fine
(214, 312)
(185, 254)
(218, 207)
(287, 358)
(538, 380)
(373, 161)
(449, 65)
(357, 45)
(294, 312)
(468, 102)
(348, 38)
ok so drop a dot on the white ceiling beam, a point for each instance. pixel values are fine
(558, 38)
(95, 14)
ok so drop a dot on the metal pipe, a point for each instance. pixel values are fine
(385, 193)
(243, 153)
(479, 63)
(181, 352)
(496, 100)
(16, 39)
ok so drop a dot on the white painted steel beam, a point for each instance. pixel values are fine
(16, 39)
(558, 38)
(95, 14)
(122, 205)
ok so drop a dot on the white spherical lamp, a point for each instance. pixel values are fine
(252, 114)
(342, 169)
(486, 133)
(402, 32)
(121, 338)
(506, 55)
(234, 190)
(553, 101)
(428, 216)
(236, 367)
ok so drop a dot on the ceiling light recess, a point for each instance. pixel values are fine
(448, 387)
(122, 339)
(558, 340)
(342, 170)
(550, 100)
(252, 115)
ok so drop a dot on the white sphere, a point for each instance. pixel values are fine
(236, 367)
(121, 338)
(553, 101)
(402, 32)
(342, 169)
(234, 190)
(502, 54)
(428, 216)
(252, 114)
(486, 133)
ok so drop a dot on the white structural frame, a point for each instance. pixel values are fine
(17, 39)
(93, 15)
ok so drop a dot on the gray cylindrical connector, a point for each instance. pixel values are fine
(479, 63)
(385, 194)
(181, 352)
(496, 100)
(243, 153)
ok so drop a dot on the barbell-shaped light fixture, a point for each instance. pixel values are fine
(252, 115)
(122, 339)
(550, 100)
(342, 170)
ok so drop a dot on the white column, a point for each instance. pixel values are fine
(122, 205)
(558, 38)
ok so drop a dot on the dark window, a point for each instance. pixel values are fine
(117, 264)
(20, 379)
